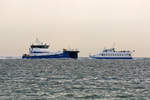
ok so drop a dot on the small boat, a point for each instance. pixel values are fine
(112, 54)
(40, 51)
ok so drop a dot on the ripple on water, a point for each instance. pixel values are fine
(82, 79)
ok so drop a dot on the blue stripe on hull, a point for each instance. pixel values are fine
(111, 57)
(45, 56)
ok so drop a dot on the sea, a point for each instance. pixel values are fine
(69, 79)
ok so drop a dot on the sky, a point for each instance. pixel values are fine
(88, 25)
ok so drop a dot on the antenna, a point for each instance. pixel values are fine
(37, 41)
(114, 44)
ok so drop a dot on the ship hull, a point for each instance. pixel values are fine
(110, 57)
(66, 54)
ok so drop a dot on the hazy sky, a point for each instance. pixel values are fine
(89, 25)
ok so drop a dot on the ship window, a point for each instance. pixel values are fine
(39, 46)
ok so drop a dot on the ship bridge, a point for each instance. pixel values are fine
(39, 47)
(45, 46)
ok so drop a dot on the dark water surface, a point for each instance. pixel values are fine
(82, 79)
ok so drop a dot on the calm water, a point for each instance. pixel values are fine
(82, 79)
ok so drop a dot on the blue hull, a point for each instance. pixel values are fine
(65, 54)
(45, 57)
(112, 57)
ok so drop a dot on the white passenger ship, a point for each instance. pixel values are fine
(112, 54)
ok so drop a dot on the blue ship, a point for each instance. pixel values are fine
(40, 51)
